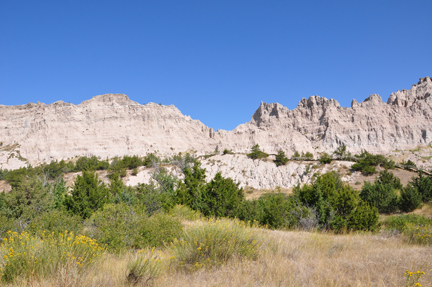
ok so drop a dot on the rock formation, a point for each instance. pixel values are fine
(112, 124)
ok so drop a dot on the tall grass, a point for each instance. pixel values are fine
(416, 228)
(146, 265)
(214, 242)
(23, 255)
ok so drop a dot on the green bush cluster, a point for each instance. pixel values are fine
(388, 195)
(227, 151)
(220, 197)
(325, 204)
(26, 256)
(367, 162)
(281, 158)
(256, 153)
(325, 158)
(214, 242)
(122, 227)
(416, 228)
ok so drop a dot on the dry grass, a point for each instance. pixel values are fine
(293, 259)
(311, 259)
(251, 193)
(425, 210)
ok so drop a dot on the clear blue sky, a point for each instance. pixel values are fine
(214, 60)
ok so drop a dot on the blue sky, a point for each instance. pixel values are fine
(214, 60)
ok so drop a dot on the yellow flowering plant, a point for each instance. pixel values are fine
(214, 242)
(415, 276)
(25, 255)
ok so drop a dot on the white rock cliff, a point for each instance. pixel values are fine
(112, 124)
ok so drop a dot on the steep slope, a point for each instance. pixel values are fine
(112, 124)
(106, 126)
(319, 124)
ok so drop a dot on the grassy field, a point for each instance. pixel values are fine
(281, 258)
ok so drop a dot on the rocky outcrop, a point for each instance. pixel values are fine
(319, 124)
(112, 124)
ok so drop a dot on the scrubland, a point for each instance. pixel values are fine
(282, 258)
(191, 232)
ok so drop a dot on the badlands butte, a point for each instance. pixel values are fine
(113, 125)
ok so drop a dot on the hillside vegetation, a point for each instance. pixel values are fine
(189, 231)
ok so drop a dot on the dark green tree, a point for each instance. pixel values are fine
(410, 199)
(220, 197)
(325, 158)
(381, 196)
(190, 190)
(281, 158)
(256, 153)
(365, 218)
(340, 151)
(29, 198)
(423, 184)
(88, 195)
(389, 178)
(295, 155)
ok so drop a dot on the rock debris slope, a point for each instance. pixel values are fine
(112, 124)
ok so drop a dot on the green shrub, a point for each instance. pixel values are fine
(277, 211)
(116, 226)
(419, 233)
(59, 191)
(151, 160)
(227, 151)
(423, 184)
(364, 218)
(25, 256)
(15, 177)
(132, 162)
(189, 191)
(409, 164)
(307, 155)
(135, 171)
(3, 173)
(281, 158)
(400, 222)
(336, 205)
(8, 224)
(55, 221)
(220, 197)
(53, 170)
(367, 163)
(88, 195)
(122, 227)
(250, 211)
(145, 266)
(368, 170)
(381, 196)
(92, 163)
(148, 197)
(28, 199)
(256, 153)
(158, 230)
(325, 158)
(295, 155)
(389, 178)
(185, 212)
(340, 151)
(214, 242)
(409, 199)
(117, 168)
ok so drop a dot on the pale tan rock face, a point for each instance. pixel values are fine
(112, 124)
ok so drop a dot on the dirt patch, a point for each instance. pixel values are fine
(5, 186)
(251, 193)
(357, 179)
